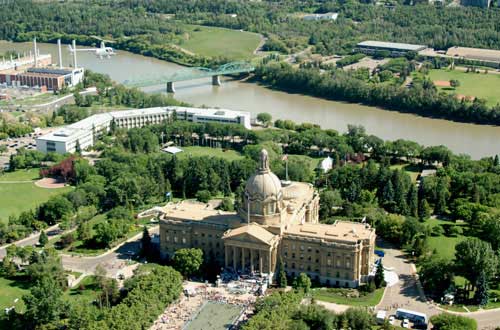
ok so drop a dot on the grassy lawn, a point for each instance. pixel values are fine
(85, 292)
(412, 170)
(11, 289)
(228, 154)
(339, 296)
(480, 85)
(18, 197)
(313, 162)
(21, 175)
(212, 41)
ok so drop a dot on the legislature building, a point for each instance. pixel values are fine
(277, 220)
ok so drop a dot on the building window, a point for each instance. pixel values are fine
(309, 249)
(183, 240)
(293, 246)
(302, 248)
(329, 262)
(175, 239)
(167, 238)
(348, 263)
(293, 255)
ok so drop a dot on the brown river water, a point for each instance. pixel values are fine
(476, 140)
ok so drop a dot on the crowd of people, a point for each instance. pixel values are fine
(177, 315)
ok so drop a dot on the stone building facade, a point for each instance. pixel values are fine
(277, 220)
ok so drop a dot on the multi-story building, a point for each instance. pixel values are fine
(276, 220)
(85, 131)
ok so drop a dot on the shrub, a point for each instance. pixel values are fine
(203, 196)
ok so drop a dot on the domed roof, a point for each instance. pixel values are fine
(264, 184)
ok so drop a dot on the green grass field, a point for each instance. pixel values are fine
(412, 170)
(212, 41)
(11, 289)
(229, 155)
(336, 296)
(18, 197)
(484, 86)
(444, 245)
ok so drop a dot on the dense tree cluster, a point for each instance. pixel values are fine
(283, 311)
(421, 97)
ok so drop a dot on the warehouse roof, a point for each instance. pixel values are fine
(391, 45)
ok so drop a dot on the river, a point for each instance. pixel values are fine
(475, 140)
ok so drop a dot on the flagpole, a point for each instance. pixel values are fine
(286, 168)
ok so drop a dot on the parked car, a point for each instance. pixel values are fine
(406, 324)
(392, 319)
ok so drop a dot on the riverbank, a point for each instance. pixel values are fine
(476, 140)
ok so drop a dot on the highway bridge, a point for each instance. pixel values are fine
(192, 73)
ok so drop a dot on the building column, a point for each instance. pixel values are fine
(251, 260)
(260, 262)
(269, 259)
(234, 258)
(226, 256)
(243, 259)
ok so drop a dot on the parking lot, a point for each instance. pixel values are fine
(14, 144)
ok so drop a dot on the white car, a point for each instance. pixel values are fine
(392, 319)
(406, 324)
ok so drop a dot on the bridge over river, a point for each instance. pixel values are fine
(192, 73)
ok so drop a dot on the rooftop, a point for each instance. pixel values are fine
(391, 45)
(189, 210)
(475, 53)
(339, 231)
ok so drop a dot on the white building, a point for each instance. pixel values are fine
(85, 131)
(319, 17)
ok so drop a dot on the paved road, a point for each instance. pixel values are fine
(408, 293)
(31, 240)
(67, 99)
(113, 260)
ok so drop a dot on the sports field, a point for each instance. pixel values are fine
(484, 86)
(215, 316)
(212, 41)
(22, 196)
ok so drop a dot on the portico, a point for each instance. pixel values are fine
(250, 249)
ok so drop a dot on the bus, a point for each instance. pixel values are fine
(417, 318)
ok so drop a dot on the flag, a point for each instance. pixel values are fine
(284, 158)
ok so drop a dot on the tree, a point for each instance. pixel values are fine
(302, 282)
(445, 321)
(78, 148)
(496, 161)
(474, 257)
(187, 261)
(412, 201)
(45, 303)
(358, 319)
(84, 231)
(282, 281)
(43, 239)
(481, 294)
(146, 242)
(454, 83)
(442, 196)
(424, 210)
(436, 275)
(379, 278)
(226, 204)
(264, 118)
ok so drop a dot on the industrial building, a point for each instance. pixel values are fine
(36, 70)
(396, 49)
(85, 131)
(475, 54)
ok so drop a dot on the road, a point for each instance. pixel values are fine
(31, 240)
(113, 260)
(408, 293)
(67, 99)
